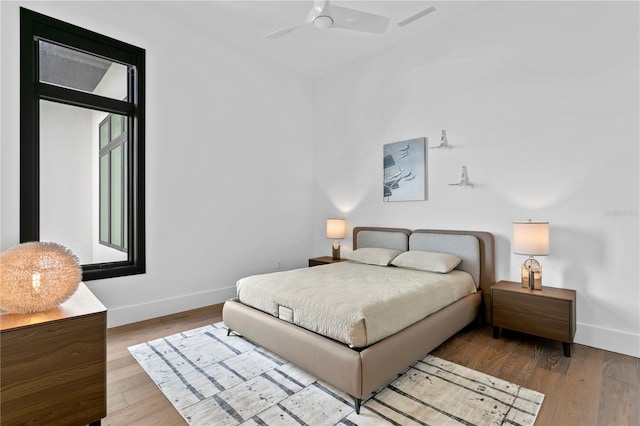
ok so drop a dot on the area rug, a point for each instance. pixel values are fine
(215, 379)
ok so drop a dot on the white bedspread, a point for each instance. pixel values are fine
(354, 303)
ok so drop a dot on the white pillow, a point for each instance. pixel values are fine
(374, 256)
(426, 261)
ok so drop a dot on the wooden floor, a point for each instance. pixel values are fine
(593, 387)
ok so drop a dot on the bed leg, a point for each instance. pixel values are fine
(357, 403)
(228, 332)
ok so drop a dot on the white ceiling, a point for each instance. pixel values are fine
(309, 51)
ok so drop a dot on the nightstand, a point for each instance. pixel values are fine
(324, 260)
(549, 313)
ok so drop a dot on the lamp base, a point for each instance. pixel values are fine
(335, 251)
(531, 274)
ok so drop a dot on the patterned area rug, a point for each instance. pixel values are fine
(215, 379)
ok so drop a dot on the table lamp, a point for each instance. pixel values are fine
(37, 276)
(531, 239)
(336, 229)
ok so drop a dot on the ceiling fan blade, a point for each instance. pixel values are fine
(416, 16)
(319, 8)
(282, 32)
(358, 20)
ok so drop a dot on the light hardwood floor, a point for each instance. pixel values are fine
(593, 387)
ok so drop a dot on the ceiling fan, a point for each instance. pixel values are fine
(325, 15)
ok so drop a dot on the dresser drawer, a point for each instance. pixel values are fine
(53, 364)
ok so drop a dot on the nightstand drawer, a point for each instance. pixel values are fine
(533, 324)
(553, 309)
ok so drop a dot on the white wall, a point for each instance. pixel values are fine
(228, 158)
(542, 101)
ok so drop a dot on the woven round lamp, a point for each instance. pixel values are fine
(37, 276)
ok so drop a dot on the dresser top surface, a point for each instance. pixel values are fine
(81, 303)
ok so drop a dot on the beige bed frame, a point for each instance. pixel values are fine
(361, 372)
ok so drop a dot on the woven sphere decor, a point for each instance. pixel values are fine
(37, 276)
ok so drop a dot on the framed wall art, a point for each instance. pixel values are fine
(405, 170)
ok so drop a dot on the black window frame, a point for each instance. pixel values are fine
(35, 26)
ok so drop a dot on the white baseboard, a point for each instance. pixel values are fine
(608, 340)
(158, 308)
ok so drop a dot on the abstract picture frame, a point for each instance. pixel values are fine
(405, 170)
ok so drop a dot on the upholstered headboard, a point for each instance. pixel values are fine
(464, 246)
(486, 245)
(475, 248)
(391, 238)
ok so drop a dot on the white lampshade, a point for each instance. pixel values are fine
(336, 228)
(531, 238)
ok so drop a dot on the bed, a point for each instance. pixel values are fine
(361, 368)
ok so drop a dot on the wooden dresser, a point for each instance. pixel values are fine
(53, 364)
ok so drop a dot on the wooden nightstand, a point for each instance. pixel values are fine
(324, 260)
(549, 313)
(53, 364)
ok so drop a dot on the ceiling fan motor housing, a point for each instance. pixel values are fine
(322, 21)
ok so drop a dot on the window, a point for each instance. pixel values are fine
(112, 136)
(82, 145)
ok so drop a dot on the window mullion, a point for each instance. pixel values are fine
(109, 191)
(68, 96)
(122, 194)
